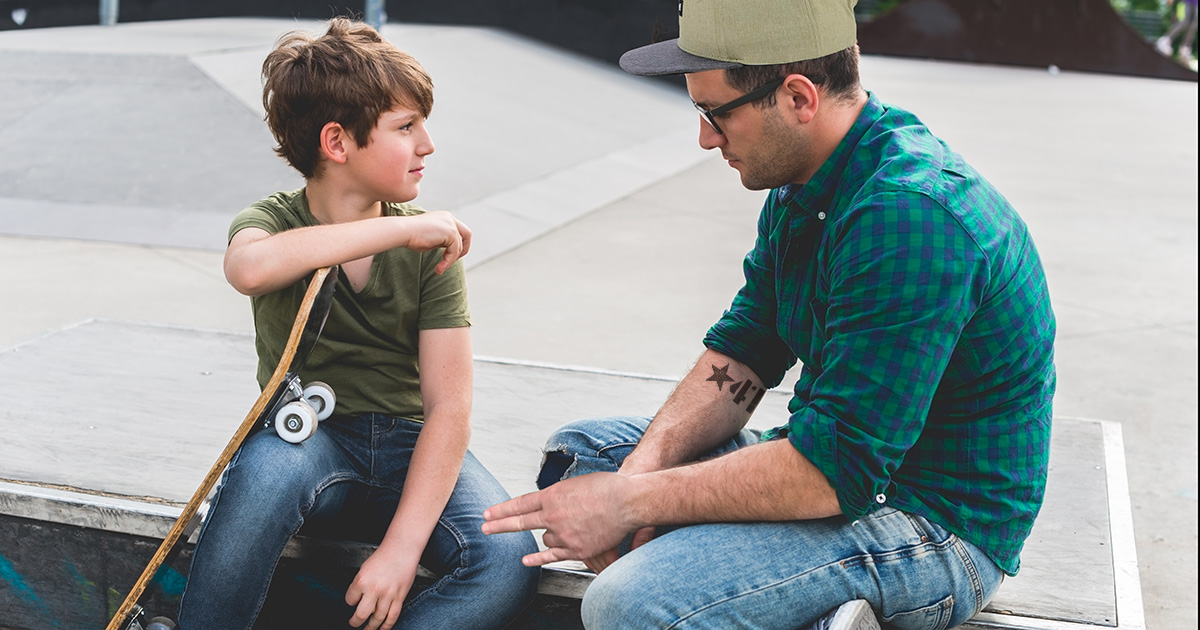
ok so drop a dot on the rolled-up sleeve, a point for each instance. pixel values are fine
(904, 280)
(747, 331)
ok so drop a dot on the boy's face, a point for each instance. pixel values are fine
(391, 166)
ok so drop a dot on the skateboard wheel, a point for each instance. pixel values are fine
(296, 421)
(321, 397)
(161, 623)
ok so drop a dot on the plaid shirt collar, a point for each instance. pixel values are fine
(817, 195)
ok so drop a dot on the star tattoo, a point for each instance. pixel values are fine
(721, 376)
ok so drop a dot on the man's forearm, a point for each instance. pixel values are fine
(764, 482)
(708, 407)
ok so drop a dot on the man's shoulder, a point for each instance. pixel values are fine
(899, 155)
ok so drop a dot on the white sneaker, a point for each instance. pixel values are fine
(855, 615)
(1185, 52)
(1163, 44)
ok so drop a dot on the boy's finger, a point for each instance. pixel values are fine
(466, 238)
(366, 606)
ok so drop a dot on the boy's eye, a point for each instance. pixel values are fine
(406, 127)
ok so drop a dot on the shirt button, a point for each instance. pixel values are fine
(881, 498)
(821, 216)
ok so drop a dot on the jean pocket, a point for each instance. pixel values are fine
(927, 530)
(935, 616)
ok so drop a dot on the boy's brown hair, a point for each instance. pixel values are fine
(349, 75)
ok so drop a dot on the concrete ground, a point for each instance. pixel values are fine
(604, 236)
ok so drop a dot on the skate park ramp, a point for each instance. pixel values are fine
(1085, 35)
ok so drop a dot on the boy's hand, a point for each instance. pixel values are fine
(439, 229)
(379, 589)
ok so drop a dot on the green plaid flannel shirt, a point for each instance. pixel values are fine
(914, 297)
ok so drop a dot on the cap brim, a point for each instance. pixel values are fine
(667, 58)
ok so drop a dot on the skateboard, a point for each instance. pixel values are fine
(293, 410)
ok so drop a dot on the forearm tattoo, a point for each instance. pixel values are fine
(739, 390)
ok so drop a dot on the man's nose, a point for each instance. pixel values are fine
(709, 138)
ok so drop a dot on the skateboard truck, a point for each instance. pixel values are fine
(299, 409)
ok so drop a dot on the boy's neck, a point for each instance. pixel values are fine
(330, 203)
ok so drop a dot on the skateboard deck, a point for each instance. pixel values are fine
(282, 387)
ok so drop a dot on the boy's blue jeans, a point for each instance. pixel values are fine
(346, 481)
(785, 575)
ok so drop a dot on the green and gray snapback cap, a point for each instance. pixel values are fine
(723, 34)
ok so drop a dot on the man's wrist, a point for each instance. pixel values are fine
(640, 500)
(640, 462)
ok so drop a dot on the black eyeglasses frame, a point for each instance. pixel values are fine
(749, 97)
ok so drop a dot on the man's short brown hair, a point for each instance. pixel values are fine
(349, 75)
(836, 73)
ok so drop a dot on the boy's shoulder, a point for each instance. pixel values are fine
(281, 211)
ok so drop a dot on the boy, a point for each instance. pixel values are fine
(348, 111)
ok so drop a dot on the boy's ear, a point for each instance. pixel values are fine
(335, 141)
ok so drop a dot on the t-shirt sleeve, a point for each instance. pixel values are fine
(259, 216)
(443, 296)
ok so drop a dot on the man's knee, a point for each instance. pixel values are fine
(586, 446)
(614, 601)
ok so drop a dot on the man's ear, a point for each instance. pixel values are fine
(801, 97)
(335, 142)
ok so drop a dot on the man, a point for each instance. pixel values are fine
(915, 458)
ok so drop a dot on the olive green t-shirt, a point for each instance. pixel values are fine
(368, 350)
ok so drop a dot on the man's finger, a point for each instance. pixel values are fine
(641, 537)
(518, 523)
(602, 561)
(524, 504)
(546, 557)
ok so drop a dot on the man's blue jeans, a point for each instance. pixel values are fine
(915, 574)
(346, 481)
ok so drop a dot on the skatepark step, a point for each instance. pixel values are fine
(93, 473)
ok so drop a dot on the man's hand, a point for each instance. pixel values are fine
(379, 589)
(583, 516)
(602, 561)
(439, 229)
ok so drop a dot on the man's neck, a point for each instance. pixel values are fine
(836, 118)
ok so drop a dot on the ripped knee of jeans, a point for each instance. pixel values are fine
(555, 465)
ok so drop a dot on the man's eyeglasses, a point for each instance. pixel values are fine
(711, 114)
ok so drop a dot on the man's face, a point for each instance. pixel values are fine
(768, 148)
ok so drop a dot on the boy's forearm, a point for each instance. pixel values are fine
(432, 475)
(708, 407)
(257, 262)
(446, 366)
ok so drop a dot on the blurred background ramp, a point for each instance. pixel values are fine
(1086, 35)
